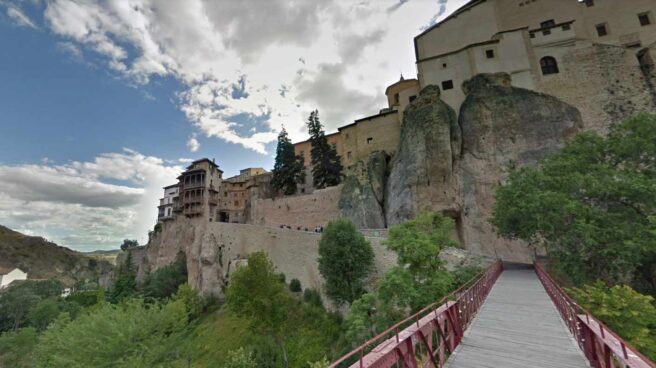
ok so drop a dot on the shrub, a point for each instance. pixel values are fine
(295, 286)
(313, 297)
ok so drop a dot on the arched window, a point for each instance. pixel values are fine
(549, 65)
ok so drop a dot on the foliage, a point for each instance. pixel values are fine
(326, 163)
(43, 313)
(345, 260)
(125, 284)
(16, 348)
(590, 205)
(164, 281)
(418, 279)
(16, 301)
(131, 334)
(312, 297)
(154, 232)
(240, 359)
(85, 298)
(288, 168)
(191, 299)
(256, 293)
(627, 312)
(323, 363)
(127, 244)
(295, 286)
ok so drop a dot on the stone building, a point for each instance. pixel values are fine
(237, 193)
(165, 208)
(587, 53)
(198, 194)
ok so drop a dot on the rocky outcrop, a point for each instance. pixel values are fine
(422, 170)
(454, 166)
(503, 127)
(364, 192)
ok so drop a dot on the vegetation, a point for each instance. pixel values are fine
(592, 206)
(288, 168)
(625, 311)
(418, 279)
(164, 282)
(125, 283)
(295, 286)
(326, 163)
(127, 244)
(345, 260)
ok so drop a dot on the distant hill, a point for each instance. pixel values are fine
(42, 259)
(106, 255)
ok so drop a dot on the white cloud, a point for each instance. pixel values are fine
(193, 144)
(19, 18)
(85, 205)
(280, 54)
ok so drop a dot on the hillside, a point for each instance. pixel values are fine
(42, 259)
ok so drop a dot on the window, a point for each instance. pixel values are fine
(549, 65)
(589, 3)
(602, 30)
(370, 140)
(443, 65)
(548, 23)
(348, 154)
(396, 98)
(446, 85)
(412, 98)
(236, 203)
(489, 54)
(567, 27)
(644, 19)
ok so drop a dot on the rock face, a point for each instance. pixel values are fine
(454, 166)
(363, 195)
(422, 170)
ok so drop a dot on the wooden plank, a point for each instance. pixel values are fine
(518, 326)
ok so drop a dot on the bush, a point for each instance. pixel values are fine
(240, 359)
(313, 297)
(295, 286)
(164, 282)
(16, 348)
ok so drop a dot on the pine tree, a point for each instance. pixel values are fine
(326, 163)
(288, 167)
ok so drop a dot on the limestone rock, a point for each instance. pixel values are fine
(422, 170)
(503, 127)
(363, 196)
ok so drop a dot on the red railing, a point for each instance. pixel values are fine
(432, 334)
(601, 346)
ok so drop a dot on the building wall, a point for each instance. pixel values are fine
(12, 276)
(378, 133)
(305, 211)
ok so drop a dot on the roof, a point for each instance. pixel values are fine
(369, 118)
(327, 135)
(401, 81)
(171, 186)
(211, 162)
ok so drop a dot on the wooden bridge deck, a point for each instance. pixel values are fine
(517, 326)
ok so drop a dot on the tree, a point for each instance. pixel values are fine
(417, 280)
(43, 313)
(125, 284)
(590, 205)
(127, 244)
(288, 168)
(326, 163)
(164, 282)
(255, 292)
(16, 302)
(345, 260)
(295, 286)
(16, 348)
(625, 311)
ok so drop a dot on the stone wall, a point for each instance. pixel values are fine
(308, 210)
(605, 82)
(213, 250)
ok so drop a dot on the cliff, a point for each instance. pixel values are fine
(42, 259)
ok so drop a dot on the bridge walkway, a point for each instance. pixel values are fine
(517, 326)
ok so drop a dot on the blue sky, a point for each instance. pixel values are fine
(103, 102)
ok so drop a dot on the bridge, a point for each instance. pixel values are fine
(508, 316)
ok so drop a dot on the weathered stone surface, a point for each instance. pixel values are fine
(363, 196)
(503, 127)
(422, 170)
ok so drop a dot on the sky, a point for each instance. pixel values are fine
(102, 103)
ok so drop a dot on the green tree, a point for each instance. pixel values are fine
(127, 244)
(288, 168)
(627, 312)
(295, 286)
(345, 261)
(125, 284)
(43, 313)
(590, 205)
(417, 280)
(191, 299)
(326, 163)
(16, 348)
(255, 292)
(131, 334)
(164, 282)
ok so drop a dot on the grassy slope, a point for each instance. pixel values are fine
(42, 259)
